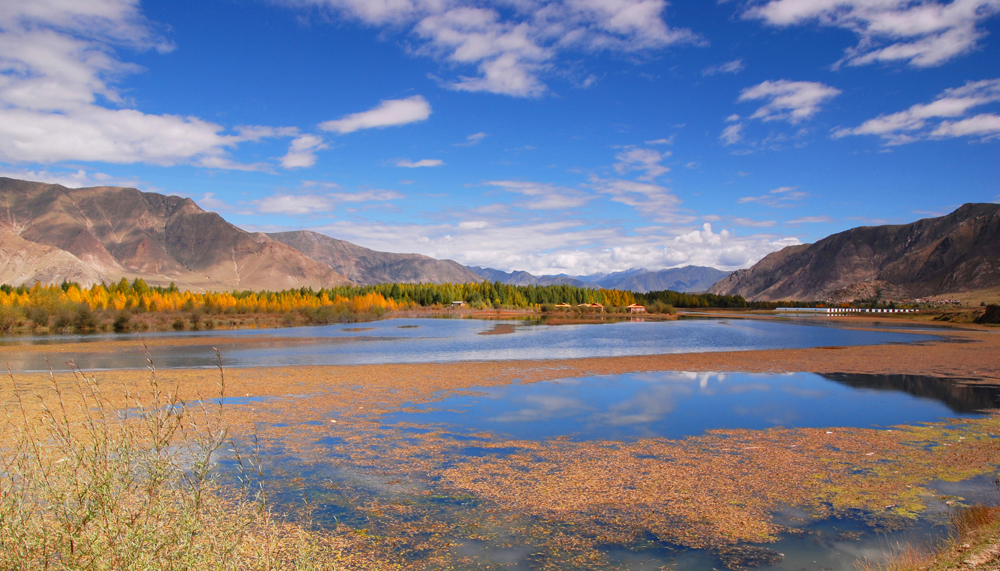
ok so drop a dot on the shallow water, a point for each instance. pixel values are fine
(453, 340)
(676, 405)
(655, 406)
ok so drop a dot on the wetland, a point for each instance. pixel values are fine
(690, 444)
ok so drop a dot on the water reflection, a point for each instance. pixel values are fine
(959, 396)
(675, 405)
(448, 340)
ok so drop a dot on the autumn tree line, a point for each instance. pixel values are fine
(135, 305)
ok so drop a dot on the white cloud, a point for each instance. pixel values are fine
(810, 220)
(418, 164)
(57, 64)
(563, 246)
(945, 117)
(923, 34)
(472, 140)
(389, 113)
(302, 152)
(750, 223)
(732, 134)
(781, 197)
(373, 195)
(543, 196)
(734, 66)
(69, 179)
(667, 141)
(308, 204)
(649, 200)
(295, 205)
(639, 159)
(792, 101)
(511, 43)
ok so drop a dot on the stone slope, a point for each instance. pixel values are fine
(952, 253)
(366, 266)
(122, 232)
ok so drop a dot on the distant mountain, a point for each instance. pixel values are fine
(953, 253)
(366, 266)
(690, 279)
(525, 279)
(49, 233)
(693, 279)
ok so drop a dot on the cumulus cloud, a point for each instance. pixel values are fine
(792, 101)
(510, 44)
(57, 98)
(406, 163)
(643, 160)
(561, 246)
(543, 196)
(389, 113)
(302, 152)
(922, 34)
(948, 116)
(734, 66)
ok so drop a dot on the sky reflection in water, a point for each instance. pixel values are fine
(453, 340)
(675, 405)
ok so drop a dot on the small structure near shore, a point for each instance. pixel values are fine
(636, 308)
(592, 306)
(457, 304)
(563, 306)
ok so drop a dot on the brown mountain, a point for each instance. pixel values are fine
(953, 253)
(366, 266)
(51, 233)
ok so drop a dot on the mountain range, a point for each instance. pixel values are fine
(691, 279)
(952, 253)
(49, 233)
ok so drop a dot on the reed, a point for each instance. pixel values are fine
(90, 484)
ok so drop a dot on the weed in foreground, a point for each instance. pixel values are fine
(85, 484)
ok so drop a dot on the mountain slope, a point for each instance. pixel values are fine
(693, 279)
(366, 266)
(690, 279)
(122, 232)
(957, 252)
(526, 279)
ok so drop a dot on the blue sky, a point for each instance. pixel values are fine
(575, 136)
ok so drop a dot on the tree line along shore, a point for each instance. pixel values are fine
(136, 306)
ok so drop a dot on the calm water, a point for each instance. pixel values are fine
(449, 340)
(675, 405)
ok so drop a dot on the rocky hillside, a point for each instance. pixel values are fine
(953, 253)
(49, 233)
(366, 266)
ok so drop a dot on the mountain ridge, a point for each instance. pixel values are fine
(956, 252)
(123, 232)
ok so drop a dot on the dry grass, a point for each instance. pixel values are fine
(974, 543)
(88, 485)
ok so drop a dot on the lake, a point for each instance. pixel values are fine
(681, 470)
(450, 340)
